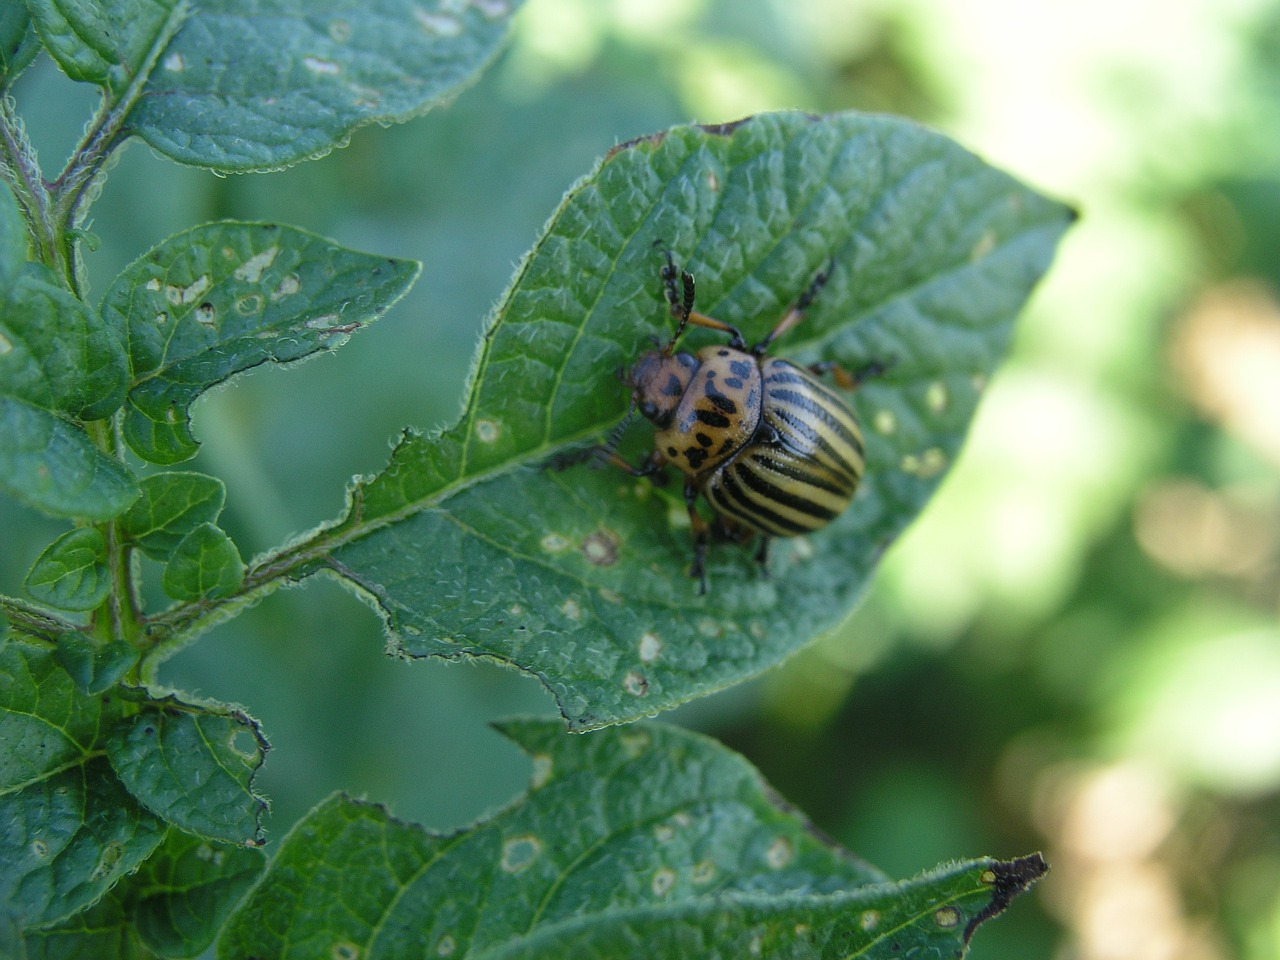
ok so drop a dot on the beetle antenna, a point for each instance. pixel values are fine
(680, 298)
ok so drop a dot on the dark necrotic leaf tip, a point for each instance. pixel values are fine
(1009, 878)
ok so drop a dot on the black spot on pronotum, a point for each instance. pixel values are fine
(1008, 878)
(703, 439)
(712, 418)
(740, 368)
(721, 402)
(696, 457)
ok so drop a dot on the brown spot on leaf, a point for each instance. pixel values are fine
(601, 547)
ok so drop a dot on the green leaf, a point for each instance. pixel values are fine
(13, 243)
(193, 766)
(263, 86)
(645, 838)
(173, 906)
(68, 837)
(57, 353)
(204, 564)
(171, 506)
(95, 665)
(182, 895)
(104, 42)
(471, 547)
(222, 298)
(44, 724)
(100, 932)
(52, 465)
(18, 44)
(72, 573)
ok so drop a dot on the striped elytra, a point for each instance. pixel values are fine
(803, 469)
(773, 450)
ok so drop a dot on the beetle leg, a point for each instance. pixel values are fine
(794, 315)
(700, 535)
(846, 380)
(651, 467)
(762, 554)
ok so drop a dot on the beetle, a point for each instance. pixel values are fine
(772, 449)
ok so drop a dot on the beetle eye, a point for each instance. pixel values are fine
(648, 409)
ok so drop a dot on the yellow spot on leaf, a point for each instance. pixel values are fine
(946, 917)
(252, 269)
(178, 296)
(663, 880)
(492, 9)
(543, 766)
(554, 543)
(935, 397)
(650, 647)
(779, 853)
(322, 66)
(986, 243)
(519, 852)
(704, 871)
(287, 288)
(487, 431)
(635, 743)
(635, 683)
(439, 24)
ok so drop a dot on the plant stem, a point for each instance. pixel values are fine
(33, 621)
(72, 191)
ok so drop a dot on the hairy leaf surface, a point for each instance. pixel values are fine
(220, 299)
(644, 839)
(88, 783)
(72, 572)
(13, 238)
(471, 547)
(205, 563)
(194, 767)
(104, 42)
(260, 86)
(173, 906)
(172, 505)
(50, 463)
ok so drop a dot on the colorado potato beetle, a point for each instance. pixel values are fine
(773, 450)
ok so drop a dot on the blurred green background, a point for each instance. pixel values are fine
(1074, 650)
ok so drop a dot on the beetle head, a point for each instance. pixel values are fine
(658, 381)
